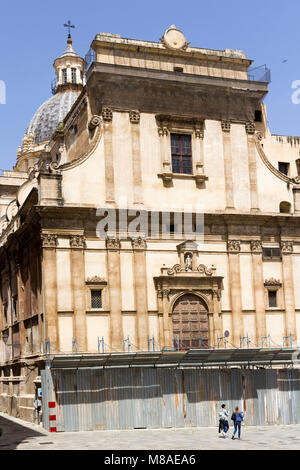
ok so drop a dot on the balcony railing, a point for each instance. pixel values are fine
(260, 74)
(90, 57)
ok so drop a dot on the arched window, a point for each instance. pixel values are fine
(285, 207)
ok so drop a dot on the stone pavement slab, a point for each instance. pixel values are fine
(20, 435)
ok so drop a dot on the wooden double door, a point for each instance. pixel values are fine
(190, 323)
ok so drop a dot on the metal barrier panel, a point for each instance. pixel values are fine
(93, 399)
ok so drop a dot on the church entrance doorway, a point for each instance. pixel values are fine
(190, 323)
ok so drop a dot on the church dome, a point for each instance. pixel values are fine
(44, 122)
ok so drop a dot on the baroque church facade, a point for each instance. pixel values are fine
(149, 133)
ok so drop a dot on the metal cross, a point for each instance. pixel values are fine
(69, 26)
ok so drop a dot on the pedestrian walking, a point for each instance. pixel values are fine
(223, 421)
(237, 418)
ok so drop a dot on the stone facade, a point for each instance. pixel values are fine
(112, 155)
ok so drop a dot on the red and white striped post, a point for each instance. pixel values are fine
(52, 417)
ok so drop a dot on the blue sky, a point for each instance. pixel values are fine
(32, 36)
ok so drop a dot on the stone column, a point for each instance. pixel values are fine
(77, 243)
(226, 127)
(217, 320)
(165, 150)
(234, 248)
(140, 283)
(107, 116)
(250, 129)
(288, 286)
(114, 285)
(50, 289)
(198, 151)
(258, 290)
(134, 117)
(160, 317)
(166, 322)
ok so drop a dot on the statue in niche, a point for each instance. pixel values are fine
(188, 262)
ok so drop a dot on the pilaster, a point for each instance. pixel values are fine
(234, 248)
(107, 116)
(113, 246)
(250, 130)
(258, 289)
(49, 243)
(134, 117)
(226, 127)
(77, 245)
(140, 282)
(288, 286)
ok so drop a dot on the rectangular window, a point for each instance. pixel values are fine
(96, 298)
(257, 115)
(73, 71)
(271, 253)
(272, 295)
(64, 76)
(181, 148)
(5, 310)
(283, 167)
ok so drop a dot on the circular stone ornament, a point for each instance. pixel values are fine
(173, 38)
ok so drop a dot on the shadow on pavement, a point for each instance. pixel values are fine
(13, 434)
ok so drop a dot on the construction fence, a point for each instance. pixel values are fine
(87, 399)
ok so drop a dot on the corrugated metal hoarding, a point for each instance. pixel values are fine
(94, 399)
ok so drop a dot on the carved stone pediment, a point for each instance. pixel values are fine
(272, 282)
(187, 245)
(95, 280)
(201, 270)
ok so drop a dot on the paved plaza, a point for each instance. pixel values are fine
(20, 435)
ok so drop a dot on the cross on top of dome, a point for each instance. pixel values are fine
(69, 26)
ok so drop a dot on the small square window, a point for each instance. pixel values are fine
(271, 253)
(96, 296)
(272, 296)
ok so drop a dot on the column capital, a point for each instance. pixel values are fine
(256, 246)
(287, 247)
(77, 241)
(163, 128)
(49, 240)
(113, 244)
(139, 243)
(107, 113)
(226, 125)
(166, 293)
(250, 127)
(134, 117)
(198, 130)
(234, 246)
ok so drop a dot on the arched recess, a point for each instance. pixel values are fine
(285, 207)
(190, 319)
